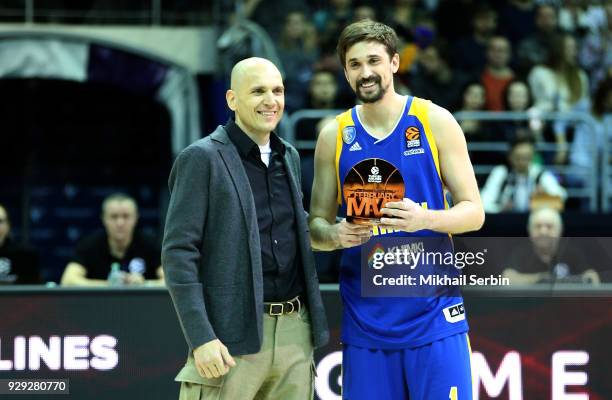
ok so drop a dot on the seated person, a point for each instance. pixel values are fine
(137, 255)
(517, 97)
(322, 95)
(18, 264)
(548, 258)
(512, 188)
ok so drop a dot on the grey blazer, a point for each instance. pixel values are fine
(211, 252)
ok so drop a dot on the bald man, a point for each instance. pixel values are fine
(548, 258)
(237, 256)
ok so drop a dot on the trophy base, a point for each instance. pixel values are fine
(363, 221)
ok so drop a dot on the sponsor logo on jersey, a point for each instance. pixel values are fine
(412, 152)
(375, 177)
(348, 134)
(355, 147)
(413, 137)
(454, 313)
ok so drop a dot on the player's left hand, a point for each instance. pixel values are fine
(405, 215)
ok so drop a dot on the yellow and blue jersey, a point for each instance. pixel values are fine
(394, 322)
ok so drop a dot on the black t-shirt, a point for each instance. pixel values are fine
(142, 256)
(569, 261)
(18, 264)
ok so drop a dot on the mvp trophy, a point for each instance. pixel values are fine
(368, 186)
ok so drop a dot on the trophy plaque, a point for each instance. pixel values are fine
(368, 186)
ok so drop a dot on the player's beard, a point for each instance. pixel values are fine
(374, 96)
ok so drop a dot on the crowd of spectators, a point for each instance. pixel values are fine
(454, 42)
(532, 56)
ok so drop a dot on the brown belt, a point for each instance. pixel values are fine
(285, 307)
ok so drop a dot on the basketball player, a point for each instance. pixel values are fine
(395, 348)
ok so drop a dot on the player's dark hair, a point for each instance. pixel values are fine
(366, 31)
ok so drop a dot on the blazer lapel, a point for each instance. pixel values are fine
(234, 166)
(240, 180)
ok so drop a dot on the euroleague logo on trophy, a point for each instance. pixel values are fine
(368, 186)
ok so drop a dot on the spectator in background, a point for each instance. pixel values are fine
(578, 16)
(511, 188)
(473, 100)
(322, 94)
(476, 130)
(297, 50)
(470, 52)
(409, 46)
(517, 98)
(435, 80)
(18, 264)
(269, 13)
(547, 258)
(516, 19)
(533, 50)
(364, 11)
(138, 255)
(497, 73)
(330, 21)
(596, 51)
(323, 90)
(404, 15)
(560, 85)
(452, 16)
(588, 142)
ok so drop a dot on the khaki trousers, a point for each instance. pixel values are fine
(282, 370)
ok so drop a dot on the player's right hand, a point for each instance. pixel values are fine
(346, 234)
(212, 359)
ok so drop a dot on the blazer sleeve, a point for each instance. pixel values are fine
(297, 168)
(295, 158)
(182, 244)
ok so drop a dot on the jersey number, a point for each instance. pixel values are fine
(452, 395)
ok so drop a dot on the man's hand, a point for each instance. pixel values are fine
(212, 359)
(406, 215)
(346, 234)
(591, 276)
